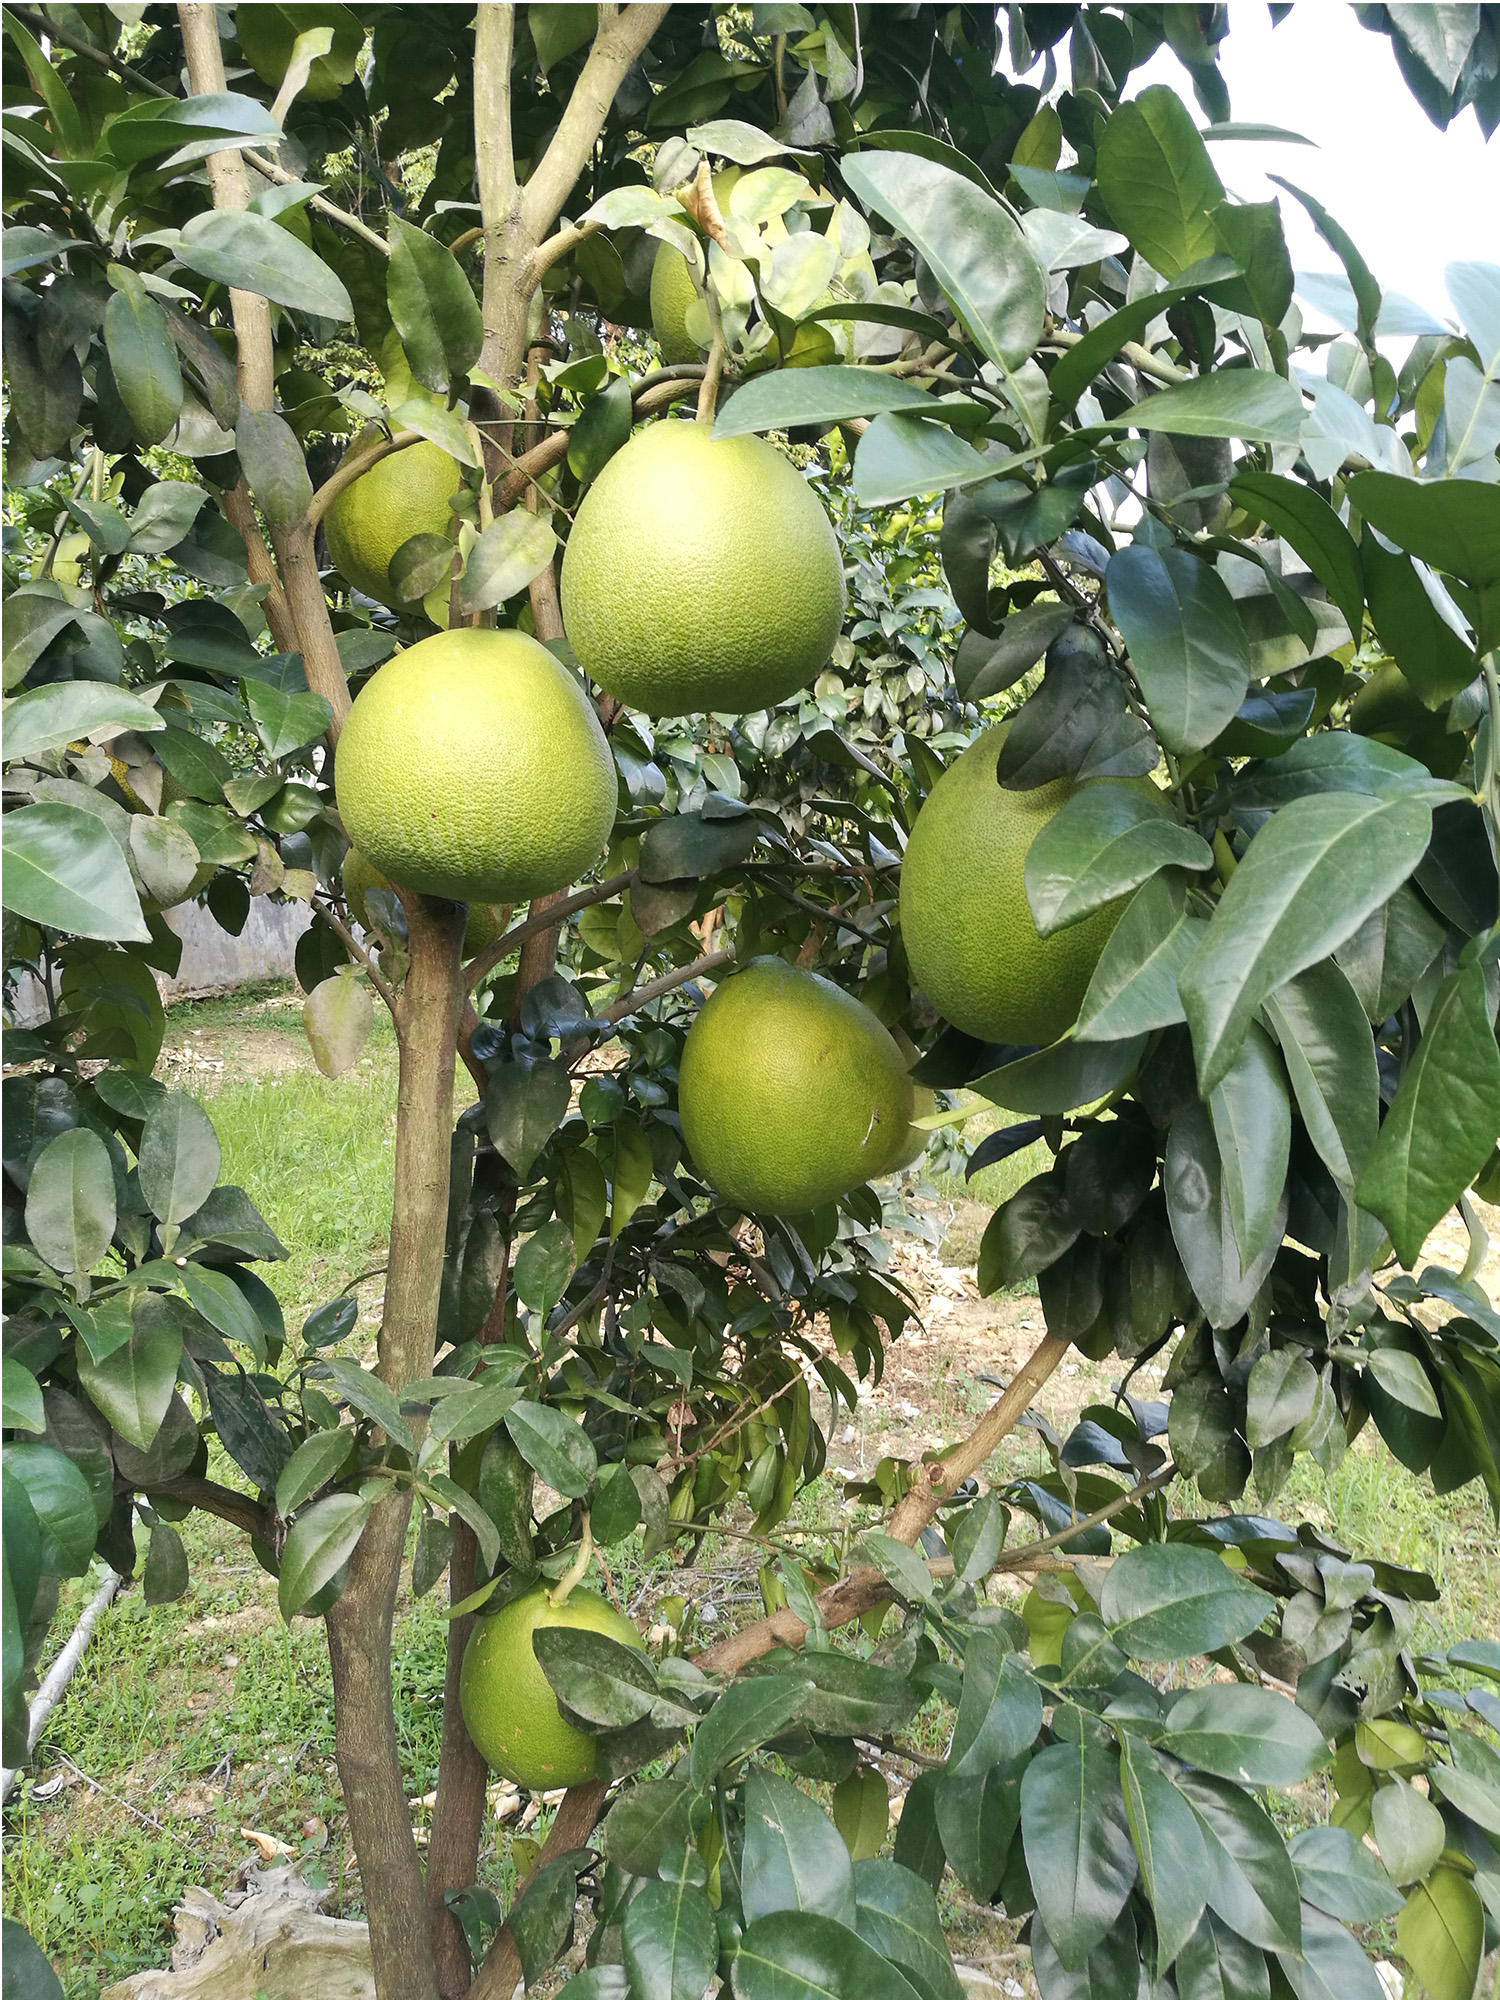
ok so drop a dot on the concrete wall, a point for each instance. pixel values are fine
(212, 960)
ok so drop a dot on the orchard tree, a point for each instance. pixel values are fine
(1253, 564)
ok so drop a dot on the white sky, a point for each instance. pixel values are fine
(1412, 197)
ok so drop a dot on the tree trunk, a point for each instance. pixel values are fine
(360, 1622)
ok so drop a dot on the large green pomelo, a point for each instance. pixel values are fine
(473, 766)
(970, 939)
(701, 574)
(508, 1705)
(405, 493)
(790, 1091)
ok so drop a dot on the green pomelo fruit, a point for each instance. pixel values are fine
(472, 766)
(508, 1705)
(268, 35)
(970, 939)
(405, 493)
(790, 1091)
(1389, 710)
(673, 290)
(701, 574)
(360, 876)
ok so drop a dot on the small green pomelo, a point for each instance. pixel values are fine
(473, 766)
(360, 876)
(508, 1705)
(403, 494)
(970, 939)
(790, 1091)
(701, 574)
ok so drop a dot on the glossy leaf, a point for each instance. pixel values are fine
(1157, 181)
(1134, 986)
(179, 1158)
(1202, 1226)
(787, 397)
(1000, 1713)
(322, 1539)
(1101, 843)
(1339, 1874)
(1249, 403)
(311, 1465)
(1068, 1074)
(132, 1386)
(525, 1102)
(1170, 1600)
(1441, 1126)
(670, 1941)
(557, 1449)
(1272, 922)
(1252, 1120)
(903, 454)
(975, 248)
(62, 1504)
(236, 247)
(286, 719)
(64, 869)
(897, 1915)
(1187, 643)
(70, 1201)
(1244, 1733)
(143, 359)
(1453, 524)
(794, 1856)
(1168, 1845)
(1330, 1060)
(1078, 1847)
(432, 306)
(1249, 1880)
(789, 1955)
(1304, 519)
(744, 1716)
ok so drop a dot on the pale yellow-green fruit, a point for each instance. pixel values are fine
(508, 1705)
(971, 942)
(405, 493)
(473, 766)
(268, 34)
(701, 574)
(360, 876)
(791, 1092)
(673, 290)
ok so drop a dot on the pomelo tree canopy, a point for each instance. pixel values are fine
(1092, 467)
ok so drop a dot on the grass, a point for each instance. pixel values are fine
(198, 1719)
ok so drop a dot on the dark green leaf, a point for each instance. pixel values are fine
(1168, 1846)
(371, 1397)
(236, 247)
(1202, 1226)
(743, 1717)
(1303, 518)
(1101, 843)
(1078, 1847)
(602, 1682)
(63, 1506)
(1169, 1601)
(791, 1955)
(987, 666)
(1250, 403)
(1441, 1125)
(28, 1970)
(648, 1819)
(21, 1397)
(977, 1819)
(670, 1940)
(897, 1915)
(1252, 1120)
(132, 1385)
(788, 397)
(1187, 642)
(1249, 1880)
(1272, 921)
(1158, 182)
(166, 1573)
(1061, 1078)
(285, 720)
(603, 426)
(70, 1201)
(509, 555)
(311, 1465)
(272, 462)
(974, 247)
(525, 1102)
(1000, 1713)
(433, 307)
(795, 1858)
(1103, 341)
(1333, 1965)
(557, 1449)
(1244, 1733)
(1330, 1059)
(179, 1158)
(64, 869)
(322, 1539)
(1215, 1963)
(541, 1920)
(1134, 987)
(143, 358)
(1339, 1874)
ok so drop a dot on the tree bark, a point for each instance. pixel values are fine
(360, 1621)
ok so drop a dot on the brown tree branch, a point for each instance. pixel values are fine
(354, 465)
(576, 1817)
(554, 913)
(336, 924)
(240, 515)
(237, 1508)
(556, 247)
(642, 996)
(617, 46)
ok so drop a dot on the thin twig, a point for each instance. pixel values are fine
(336, 923)
(353, 467)
(481, 967)
(642, 996)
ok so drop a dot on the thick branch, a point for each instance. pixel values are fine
(1155, 365)
(866, 1587)
(642, 996)
(556, 247)
(575, 1821)
(553, 448)
(353, 466)
(617, 46)
(237, 1508)
(240, 515)
(580, 899)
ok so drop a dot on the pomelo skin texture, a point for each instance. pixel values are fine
(508, 1705)
(473, 766)
(486, 920)
(790, 1091)
(404, 494)
(701, 574)
(970, 940)
(672, 292)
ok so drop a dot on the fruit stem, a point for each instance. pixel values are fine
(562, 1590)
